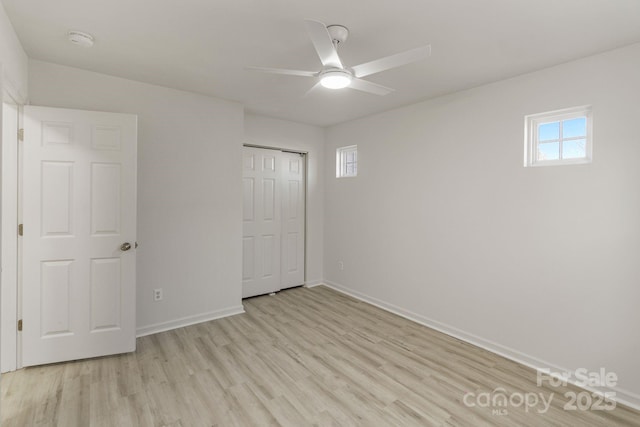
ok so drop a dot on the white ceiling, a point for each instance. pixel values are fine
(204, 45)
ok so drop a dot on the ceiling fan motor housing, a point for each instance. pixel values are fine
(338, 33)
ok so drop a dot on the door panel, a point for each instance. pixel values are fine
(105, 200)
(79, 206)
(268, 199)
(57, 189)
(56, 283)
(261, 223)
(293, 185)
(106, 285)
(269, 255)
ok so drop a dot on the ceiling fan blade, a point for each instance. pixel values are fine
(392, 61)
(313, 88)
(367, 86)
(300, 73)
(324, 45)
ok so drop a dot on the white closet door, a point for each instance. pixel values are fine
(262, 222)
(273, 221)
(293, 206)
(79, 214)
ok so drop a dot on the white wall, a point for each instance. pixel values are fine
(189, 189)
(444, 224)
(13, 60)
(260, 130)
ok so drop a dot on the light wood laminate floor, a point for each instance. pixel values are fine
(302, 357)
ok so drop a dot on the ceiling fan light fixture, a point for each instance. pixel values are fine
(335, 79)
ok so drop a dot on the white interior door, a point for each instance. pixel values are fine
(273, 221)
(262, 222)
(293, 206)
(79, 216)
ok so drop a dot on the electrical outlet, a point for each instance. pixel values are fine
(341, 265)
(157, 294)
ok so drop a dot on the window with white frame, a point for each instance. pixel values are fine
(347, 161)
(559, 137)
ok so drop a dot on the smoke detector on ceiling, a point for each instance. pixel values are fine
(79, 38)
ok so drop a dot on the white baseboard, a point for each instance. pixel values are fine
(189, 320)
(621, 396)
(313, 283)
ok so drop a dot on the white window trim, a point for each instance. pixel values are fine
(531, 123)
(340, 169)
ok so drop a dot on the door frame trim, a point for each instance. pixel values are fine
(286, 150)
(8, 331)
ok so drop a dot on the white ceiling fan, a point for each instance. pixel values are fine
(333, 74)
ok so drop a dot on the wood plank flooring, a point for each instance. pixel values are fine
(303, 357)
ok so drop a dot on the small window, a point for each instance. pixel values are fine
(558, 137)
(347, 161)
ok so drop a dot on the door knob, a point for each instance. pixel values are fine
(125, 246)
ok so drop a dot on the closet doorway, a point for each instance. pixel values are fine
(273, 239)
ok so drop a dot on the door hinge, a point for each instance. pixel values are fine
(20, 229)
(20, 134)
(20, 325)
